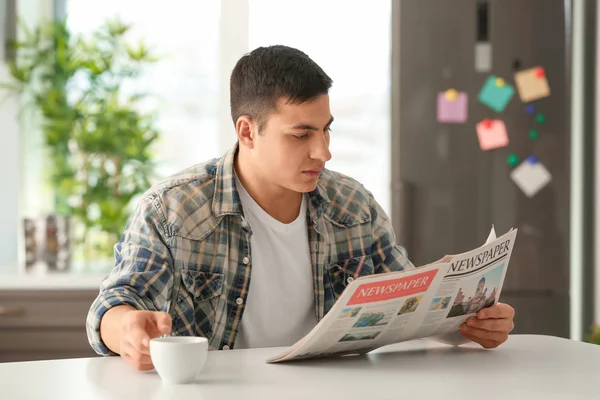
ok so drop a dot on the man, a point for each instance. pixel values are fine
(252, 249)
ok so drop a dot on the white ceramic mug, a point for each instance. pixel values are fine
(178, 359)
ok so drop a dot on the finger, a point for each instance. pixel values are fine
(143, 359)
(163, 322)
(499, 337)
(137, 361)
(494, 325)
(497, 311)
(139, 340)
(485, 343)
(139, 358)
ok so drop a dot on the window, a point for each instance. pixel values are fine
(196, 43)
(351, 41)
(185, 35)
(184, 84)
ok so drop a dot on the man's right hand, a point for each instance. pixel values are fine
(134, 329)
(137, 328)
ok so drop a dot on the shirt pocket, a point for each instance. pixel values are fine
(343, 272)
(202, 285)
(197, 301)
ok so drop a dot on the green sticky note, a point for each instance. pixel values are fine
(496, 93)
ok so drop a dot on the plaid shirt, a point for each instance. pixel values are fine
(186, 250)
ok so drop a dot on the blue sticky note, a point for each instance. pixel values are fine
(496, 94)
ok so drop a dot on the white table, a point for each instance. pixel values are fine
(526, 367)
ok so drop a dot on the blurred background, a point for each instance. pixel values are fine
(457, 115)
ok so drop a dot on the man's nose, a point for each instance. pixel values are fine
(320, 150)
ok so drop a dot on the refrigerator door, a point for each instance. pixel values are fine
(447, 191)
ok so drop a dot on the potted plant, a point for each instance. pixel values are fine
(98, 140)
(594, 334)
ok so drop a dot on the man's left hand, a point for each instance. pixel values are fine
(491, 326)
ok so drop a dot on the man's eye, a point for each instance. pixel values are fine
(299, 137)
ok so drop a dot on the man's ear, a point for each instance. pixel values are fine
(245, 128)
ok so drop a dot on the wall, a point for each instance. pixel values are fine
(9, 181)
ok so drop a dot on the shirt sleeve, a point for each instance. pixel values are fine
(387, 255)
(143, 272)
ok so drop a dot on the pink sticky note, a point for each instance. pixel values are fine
(492, 134)
(452, 110)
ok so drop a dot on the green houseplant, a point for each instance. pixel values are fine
(98, 140)
(593, 335)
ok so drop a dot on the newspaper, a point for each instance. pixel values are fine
(430, 301)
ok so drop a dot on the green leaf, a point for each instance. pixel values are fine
(25, 29)
(99, 143)
(10, 87)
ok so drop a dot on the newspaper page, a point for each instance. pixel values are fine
(428, 301)
(455, 337)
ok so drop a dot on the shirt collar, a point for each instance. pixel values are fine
(226, 199)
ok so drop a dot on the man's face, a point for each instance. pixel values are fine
(293, 147)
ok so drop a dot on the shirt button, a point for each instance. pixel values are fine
(246, 260)
(350, 279)
(244, 224)
(225, 347)
(239, 301)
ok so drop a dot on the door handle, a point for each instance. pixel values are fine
(11, 311)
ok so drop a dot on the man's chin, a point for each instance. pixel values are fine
(305, 187)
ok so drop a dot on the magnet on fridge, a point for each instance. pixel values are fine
(540, 118)
(540, 73)
(533, 134)
(451, 94)
(530, 109)
(516, 64)
(512, 160)
(532, 159)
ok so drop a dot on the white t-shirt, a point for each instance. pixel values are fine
(280, 304)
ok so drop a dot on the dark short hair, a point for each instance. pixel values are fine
(267, 74)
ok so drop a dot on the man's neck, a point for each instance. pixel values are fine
(280, 203)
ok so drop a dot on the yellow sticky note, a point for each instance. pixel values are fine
(492, 134)
(532, 84)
